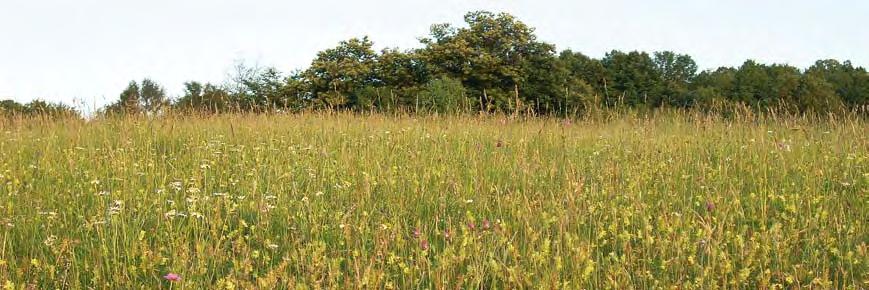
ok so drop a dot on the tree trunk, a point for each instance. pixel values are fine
(605, 91)
(391, 100)
(466, 106)
(516, 95)
(484, 96)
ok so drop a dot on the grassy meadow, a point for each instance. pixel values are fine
(342, 201)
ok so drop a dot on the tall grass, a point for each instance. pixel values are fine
(311, 200)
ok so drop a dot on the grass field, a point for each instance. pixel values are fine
(370, 201)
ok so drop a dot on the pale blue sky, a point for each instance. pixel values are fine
(89, 50)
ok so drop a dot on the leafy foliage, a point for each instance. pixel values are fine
(501, 66)
(10, 108)
(149, 98)
(634, 77)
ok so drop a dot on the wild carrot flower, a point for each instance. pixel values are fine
(176, 185)
(116, 207)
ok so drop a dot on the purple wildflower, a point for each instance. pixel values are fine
(172, 277)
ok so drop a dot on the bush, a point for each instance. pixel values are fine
(443, 95)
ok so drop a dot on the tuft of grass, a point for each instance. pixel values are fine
(398, 202)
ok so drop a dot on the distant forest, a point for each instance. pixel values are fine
(495, 63)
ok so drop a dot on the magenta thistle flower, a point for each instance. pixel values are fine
(416, 233)
(471, 226)
(447, 234)
(486, 225)
(172, 277)
(710, 206)
(424, 245)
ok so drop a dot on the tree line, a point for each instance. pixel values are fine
(495, 63)
(36, 108)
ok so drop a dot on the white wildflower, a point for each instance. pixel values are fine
(116, 207)
(49, 241)
(176, 185)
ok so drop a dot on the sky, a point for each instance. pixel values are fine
(84, 52)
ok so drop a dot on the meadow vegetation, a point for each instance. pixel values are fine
(659, 199)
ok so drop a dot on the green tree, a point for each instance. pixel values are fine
(676, 72)
(500, 65)
(257, 89)
(336, 73)
(589, 70)
(152, 96)
(634, 78)
(815, 94)
(785, 82)
(763, 86)
(296, 94)
(850, 83)
(149, 98)
(265, 90)
(201, 98)
(711, 87)
(489, 56)
(396, 68)
(400, 76)
(444, 95)
(128, 102)
(10, 108)
(751, 84)
(552, 87)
